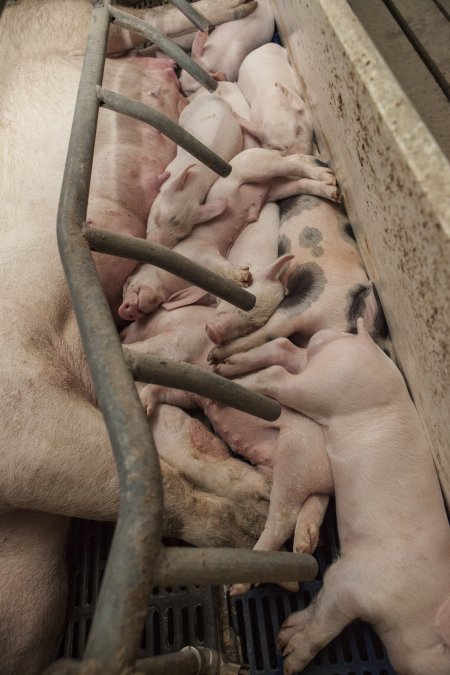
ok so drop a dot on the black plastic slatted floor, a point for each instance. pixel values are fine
(205, 616)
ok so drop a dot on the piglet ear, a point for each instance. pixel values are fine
(276, 269)
(210, 210)
(182, 179)
(188, 296)
(294, 100)
(163, 177)
(280, 269)
(247, 125)
(199, 44)
(218, 76)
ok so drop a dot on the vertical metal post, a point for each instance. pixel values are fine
(117, 624)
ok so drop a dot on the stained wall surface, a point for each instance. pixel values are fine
(396, 186)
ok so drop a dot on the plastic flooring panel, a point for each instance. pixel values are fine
(244, 628)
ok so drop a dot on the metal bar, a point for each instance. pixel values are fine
(144, 113)
(189, 661)
(117, 624)
(188, 10)
(139, 249)
(181, 375)
(169, 47)
(213, 566)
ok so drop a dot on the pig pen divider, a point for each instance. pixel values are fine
(137, 559)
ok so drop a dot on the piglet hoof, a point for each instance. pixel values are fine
(220, 369)
(292, 586)
(306, 538)
(292, 625)
(147, 396)
(242, 276)
(214, 356)
(239, 589)
(334, 194)
(297, 654)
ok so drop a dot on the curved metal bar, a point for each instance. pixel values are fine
(117, 624)
(169, 47)
(145, 251)
(144, 113)
(181, 375)
(136, 548)
(188, 10)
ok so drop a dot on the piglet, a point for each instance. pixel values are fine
(257, 176)
(257, 247)
(278, 116)
(230, 92)
(222, 52)
(394, 565)
(326, 281)
(186, 182)
(130, 159)
(291, 449)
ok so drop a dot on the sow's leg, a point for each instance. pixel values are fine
(33, 589)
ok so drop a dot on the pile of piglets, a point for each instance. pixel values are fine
(348, 426)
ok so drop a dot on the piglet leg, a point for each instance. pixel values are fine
(280, 324)
(276, 165)
(152, 394)
(280, 351)
(280, 189)
(304, 633)
(301, 468)
(309, 520)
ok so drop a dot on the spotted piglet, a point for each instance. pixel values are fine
(326, 281)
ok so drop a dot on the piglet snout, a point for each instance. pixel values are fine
(129, 310)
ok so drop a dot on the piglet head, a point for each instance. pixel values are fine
(177, 210)
(267, 286)
(142, 294)
(286, 128)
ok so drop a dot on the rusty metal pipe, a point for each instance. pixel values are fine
(144, 113)
(188, 10)
(135, 25)
(181, 375)
(188, 661)
(117, 623)
(213, 566)
(145, 251)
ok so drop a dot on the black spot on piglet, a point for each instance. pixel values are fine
(305, 285)
(293, 206)
(284, 245)
(356, 305)
(320, 163)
